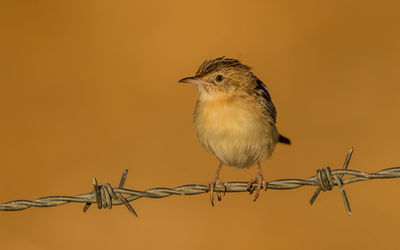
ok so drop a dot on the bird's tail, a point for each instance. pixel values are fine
(283, 139)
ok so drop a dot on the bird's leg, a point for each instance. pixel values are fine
(261, 183)
(215, 181)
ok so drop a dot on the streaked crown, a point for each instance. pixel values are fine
(220, 64)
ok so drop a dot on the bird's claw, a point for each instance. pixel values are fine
(261, 184)
(211, 187)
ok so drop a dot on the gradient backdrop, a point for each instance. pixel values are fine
(88, 88)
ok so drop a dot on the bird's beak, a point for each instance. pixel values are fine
(192, 80)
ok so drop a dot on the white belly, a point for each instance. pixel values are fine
(235, 135)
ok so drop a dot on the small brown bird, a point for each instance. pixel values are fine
(234, 118)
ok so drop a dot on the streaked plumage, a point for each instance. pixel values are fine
(234, 116)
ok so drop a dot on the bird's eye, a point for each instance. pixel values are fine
(219, 78)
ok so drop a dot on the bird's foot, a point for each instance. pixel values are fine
(211, 187)
(261, 184)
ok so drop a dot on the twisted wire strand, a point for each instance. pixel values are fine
(105, 196)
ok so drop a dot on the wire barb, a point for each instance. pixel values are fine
(326, 181)
(105, 196)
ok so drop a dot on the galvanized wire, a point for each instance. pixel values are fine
(105, 196)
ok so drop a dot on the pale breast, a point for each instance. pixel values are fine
(236, 132)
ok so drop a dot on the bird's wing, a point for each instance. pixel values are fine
(264, 99)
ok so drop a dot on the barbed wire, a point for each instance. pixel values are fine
(105, 196)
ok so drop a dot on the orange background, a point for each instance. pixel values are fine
(88, 88)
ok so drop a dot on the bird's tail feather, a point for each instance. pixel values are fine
(283, 139)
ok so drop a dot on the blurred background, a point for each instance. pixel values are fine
(89, 88)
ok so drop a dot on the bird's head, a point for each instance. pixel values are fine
(220, 76)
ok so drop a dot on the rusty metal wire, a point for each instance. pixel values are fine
(105, 196)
